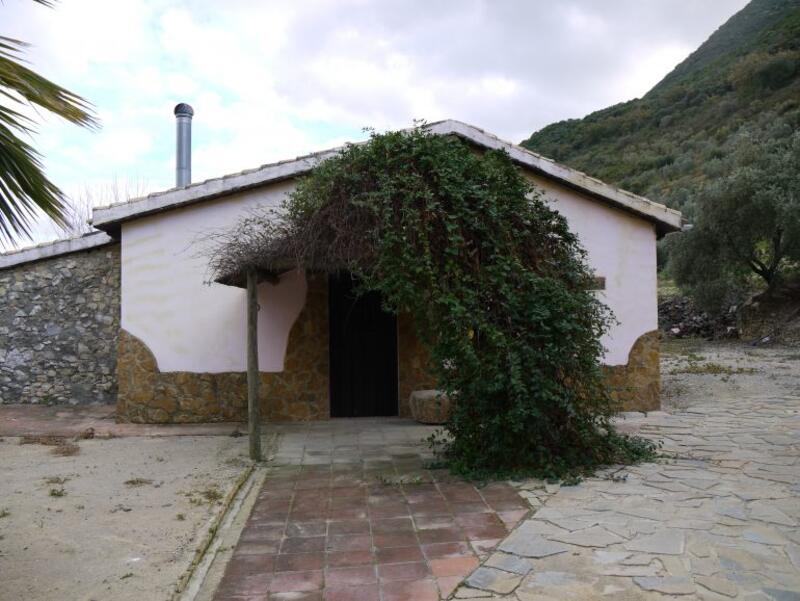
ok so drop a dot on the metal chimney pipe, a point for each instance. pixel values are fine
(183, 155)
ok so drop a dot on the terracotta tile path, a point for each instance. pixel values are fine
(349, 513)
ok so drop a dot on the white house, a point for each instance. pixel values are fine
(181, 355)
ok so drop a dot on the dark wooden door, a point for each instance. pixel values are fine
(363, 346)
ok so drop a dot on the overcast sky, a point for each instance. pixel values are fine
(270, 79)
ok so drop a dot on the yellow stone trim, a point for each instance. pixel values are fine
(637, 384)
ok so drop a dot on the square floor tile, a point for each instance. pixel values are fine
(441, 535)
(349, 558)
(289, 582)
(389, 525)
(295, 596)
(454, 566)
(446, 550)
(350, 576)
(399, 555)
(305, 529)
(298, 562)
(349, 542)
(411, 590)
(403, 571)
(308, 544)
(365, 592)
(485, 532)
(388, 510)
(396, 539)
(348, 527)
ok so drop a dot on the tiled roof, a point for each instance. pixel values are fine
(109, 218)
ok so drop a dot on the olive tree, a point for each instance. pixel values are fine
(746, 227)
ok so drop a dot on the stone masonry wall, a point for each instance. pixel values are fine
(59, 323)
(637, 384)
(412, 358)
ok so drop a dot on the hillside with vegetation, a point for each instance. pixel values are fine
(668, 145)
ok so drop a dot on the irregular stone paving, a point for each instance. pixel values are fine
(348, 512)
(719, 520)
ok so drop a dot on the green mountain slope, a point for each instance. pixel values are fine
(668, 143)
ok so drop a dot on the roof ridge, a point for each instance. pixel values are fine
(54, 248)
(109, 217)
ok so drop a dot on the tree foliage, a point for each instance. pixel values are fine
(746, 225)
(497, 285)
(24, 188)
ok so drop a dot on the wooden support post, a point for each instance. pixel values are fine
(253, 407)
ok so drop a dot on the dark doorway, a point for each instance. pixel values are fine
(363, 352)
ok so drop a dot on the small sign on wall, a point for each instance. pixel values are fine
(598, 283)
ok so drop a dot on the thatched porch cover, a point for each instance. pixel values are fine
(263, 246)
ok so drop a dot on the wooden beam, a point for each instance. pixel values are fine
(253, 407)
(269, 277)
(238, 280)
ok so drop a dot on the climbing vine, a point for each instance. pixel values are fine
(497, 285)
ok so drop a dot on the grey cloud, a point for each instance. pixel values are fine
(562, 69)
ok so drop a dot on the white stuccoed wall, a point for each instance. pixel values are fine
(622, 248)
(190, 326)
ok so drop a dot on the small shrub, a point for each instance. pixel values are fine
(713, 369)
(65, 449)
(136, 482)
(56, 480)
(61, 446)
(58, 492)
(4, 513)
(212, 494)
(49, 441)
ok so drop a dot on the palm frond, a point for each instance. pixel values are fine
(36, 89)
(24, 188)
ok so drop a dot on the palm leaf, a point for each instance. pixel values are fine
(24, 188)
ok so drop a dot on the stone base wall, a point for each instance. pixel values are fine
(59, 322)
(299, 392)
(412, 359)
(637, 384)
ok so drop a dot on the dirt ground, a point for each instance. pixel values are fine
(695, 371)
(119, 520)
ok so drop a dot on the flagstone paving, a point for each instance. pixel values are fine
(348, 512)
(719, 520)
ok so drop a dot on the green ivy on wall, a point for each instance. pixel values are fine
(498, 287)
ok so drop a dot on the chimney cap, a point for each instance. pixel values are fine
(183, 110)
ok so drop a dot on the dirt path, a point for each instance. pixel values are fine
(119, 520)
